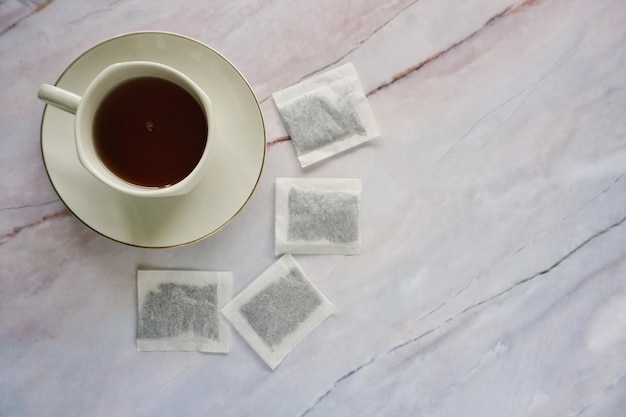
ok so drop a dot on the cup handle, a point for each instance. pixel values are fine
(59, 98)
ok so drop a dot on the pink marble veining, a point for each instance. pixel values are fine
(491, 276)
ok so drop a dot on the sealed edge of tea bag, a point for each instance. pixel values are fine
(300, 113)
(278, 310)
(317, 216)
(180, 310)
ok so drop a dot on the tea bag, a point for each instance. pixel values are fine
(180, 310)
(278, 310)
(326, 114)
(318, 216)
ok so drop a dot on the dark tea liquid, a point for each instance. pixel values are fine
(149, 131)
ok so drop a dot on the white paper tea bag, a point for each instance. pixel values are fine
(318, 216)
(326, 114)
(180, 310)
(278, 310)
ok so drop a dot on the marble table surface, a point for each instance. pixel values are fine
(492, 276)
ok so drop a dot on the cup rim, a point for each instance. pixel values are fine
(83, 126)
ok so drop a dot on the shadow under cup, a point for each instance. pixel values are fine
(144, 129)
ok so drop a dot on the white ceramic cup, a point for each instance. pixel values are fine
(85, 109)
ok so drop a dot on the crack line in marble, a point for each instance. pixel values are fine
(25, 206)
(564, 218)
(399, 76)
(361, 42)
(354, 48)
(28, 4)
(487, 114)
(337, 382)
(528, 90)
(18, 229)
(540, 273)
(445, 302)
(612, 385)
(508, 10)
(545, 271)
(95, 12)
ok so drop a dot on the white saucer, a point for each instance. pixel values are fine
(236, 164)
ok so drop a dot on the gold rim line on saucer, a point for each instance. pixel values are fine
(203, 45)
